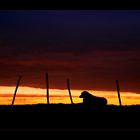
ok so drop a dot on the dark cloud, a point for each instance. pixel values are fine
(92, 48)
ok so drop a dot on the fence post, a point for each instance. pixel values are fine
(118, 89)
(68, 84)
(47, 87)
(16, 89)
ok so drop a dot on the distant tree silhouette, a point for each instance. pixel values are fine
(93, 100)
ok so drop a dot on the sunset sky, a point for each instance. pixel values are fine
(91, 48)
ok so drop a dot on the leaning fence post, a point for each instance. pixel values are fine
(16, 89)
(118, 89)
(68, 84)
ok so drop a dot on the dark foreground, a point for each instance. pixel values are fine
(76, 118)
(66, 121)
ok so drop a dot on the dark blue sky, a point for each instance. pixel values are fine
(70, 26)
(92, 48)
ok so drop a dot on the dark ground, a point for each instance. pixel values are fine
(79, 119)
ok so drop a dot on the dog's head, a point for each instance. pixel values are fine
(84, 94)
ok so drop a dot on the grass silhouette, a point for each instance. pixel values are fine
(69, 116)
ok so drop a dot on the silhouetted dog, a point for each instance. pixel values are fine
(93, 100)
